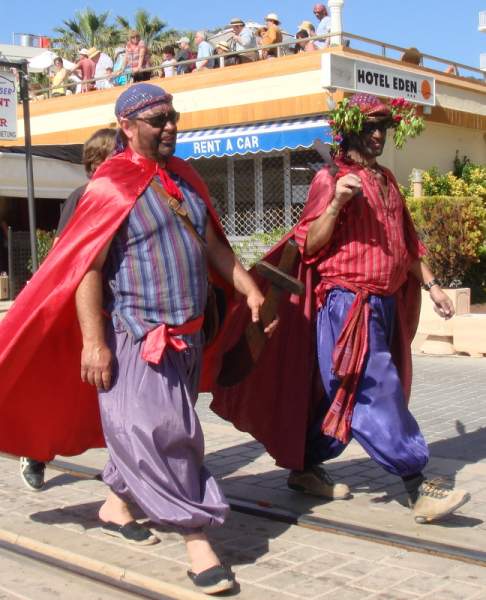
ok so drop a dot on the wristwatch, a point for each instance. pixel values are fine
(428, 286)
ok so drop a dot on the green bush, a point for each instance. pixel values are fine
(453, 229)
(251, 249)
(467, 179)
(45, 240)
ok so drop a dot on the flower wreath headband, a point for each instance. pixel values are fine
(350, 115)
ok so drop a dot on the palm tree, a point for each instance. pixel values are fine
(149, 28)
(87, 29)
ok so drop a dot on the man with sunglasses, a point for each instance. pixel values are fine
(362, 266)
(146, 361)
(133, 264)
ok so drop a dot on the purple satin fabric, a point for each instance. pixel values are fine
(154, 436)
(381, 421)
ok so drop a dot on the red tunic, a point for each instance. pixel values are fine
(374, 241)
(280, 398)
(371, 250)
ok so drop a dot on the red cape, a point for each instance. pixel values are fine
(45, 409)
(281, 396)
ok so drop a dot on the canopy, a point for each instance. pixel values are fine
(262, 137)
(44, 61)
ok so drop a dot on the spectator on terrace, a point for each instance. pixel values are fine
(204, 52)
(227, 61)
(303, 43)
(324, 27)
(107, 83)
(412, 56)
(137, 58)
(59, 78)
(185, 53)
(102, 62)
(272, 35)
(452, 70)
(309, 27)
(169, 64)
(243, 40)
(86, 68)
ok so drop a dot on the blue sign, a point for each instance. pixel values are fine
(265, 137)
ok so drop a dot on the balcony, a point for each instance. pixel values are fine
(482, 21)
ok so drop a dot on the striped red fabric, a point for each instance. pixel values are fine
(374, 242)
(371, 251)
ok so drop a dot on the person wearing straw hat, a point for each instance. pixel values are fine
(242, 40)
(271, 35)
(309, 27)
(229, 59)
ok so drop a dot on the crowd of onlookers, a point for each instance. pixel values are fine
(239, 44)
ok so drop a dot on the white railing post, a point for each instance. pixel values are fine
(336, 9)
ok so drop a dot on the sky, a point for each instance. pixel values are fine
(444, 28)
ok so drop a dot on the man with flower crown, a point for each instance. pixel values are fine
(341, 357)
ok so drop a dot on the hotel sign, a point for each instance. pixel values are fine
(363, 76)
(8, 106)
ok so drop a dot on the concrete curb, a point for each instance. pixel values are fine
(117, 576)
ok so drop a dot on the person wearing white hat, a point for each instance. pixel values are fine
(85, 68)
(242, 39)
(272, 35)
(185, 53)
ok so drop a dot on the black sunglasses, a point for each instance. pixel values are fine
(381, 126)
(160, 121)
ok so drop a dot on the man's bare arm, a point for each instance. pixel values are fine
(321, 230)
(96, 356)
(443, 304)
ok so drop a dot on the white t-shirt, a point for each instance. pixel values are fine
(323, 28)
(169, 67)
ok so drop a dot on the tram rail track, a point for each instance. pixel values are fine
(148, 587)
(276, 513)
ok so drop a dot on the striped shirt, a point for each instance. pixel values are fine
(156, 272)
(374, 241)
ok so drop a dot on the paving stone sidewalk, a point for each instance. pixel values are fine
(272, 561)
(275, 560)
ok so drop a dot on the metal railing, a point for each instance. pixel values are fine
(356, 42)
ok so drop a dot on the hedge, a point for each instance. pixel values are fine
(453, 228)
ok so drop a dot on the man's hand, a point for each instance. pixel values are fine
(346, 187)
(442, 303)
(96, 366)
(255, 300)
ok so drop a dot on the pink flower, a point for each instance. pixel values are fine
(397, 118)
(338, 138)
(332, 122)
(398, 102)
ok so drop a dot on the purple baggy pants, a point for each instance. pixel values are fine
(154, 437)
(381, 421)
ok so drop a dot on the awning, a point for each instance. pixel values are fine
(262, 137)
(68, 152)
